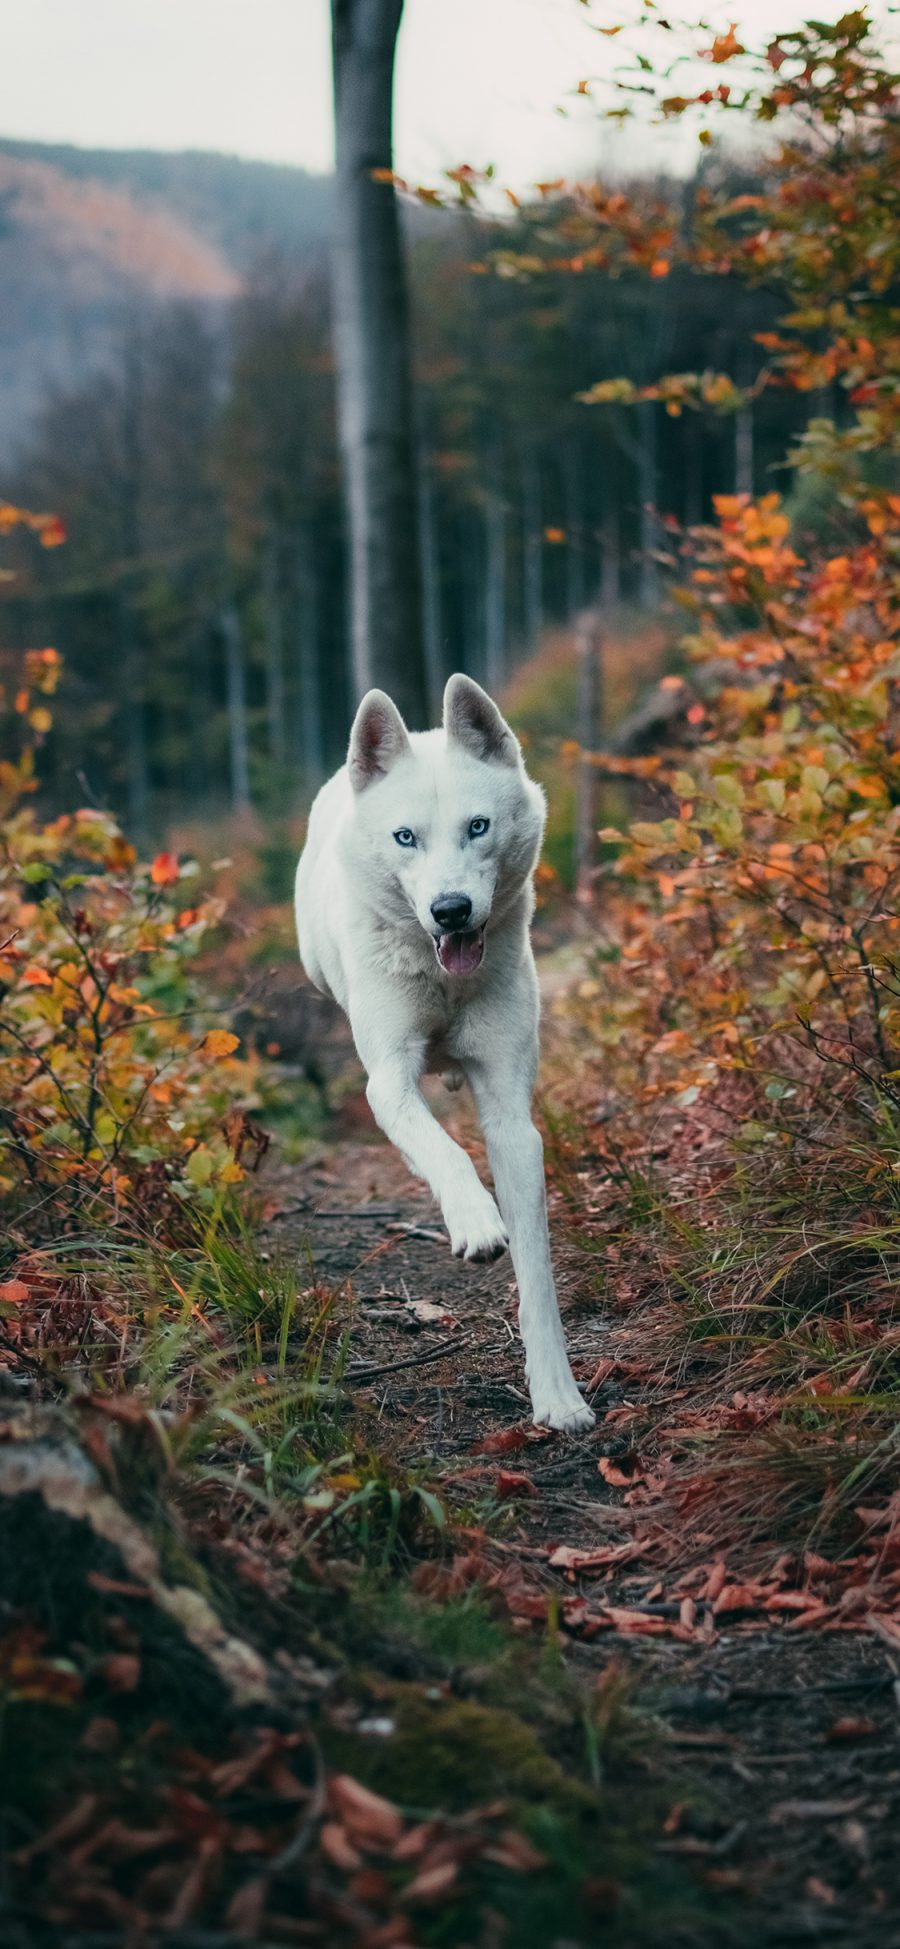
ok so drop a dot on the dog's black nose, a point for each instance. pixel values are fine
(451, 911)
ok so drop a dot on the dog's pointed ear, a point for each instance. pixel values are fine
(378, 738)
(471, 718)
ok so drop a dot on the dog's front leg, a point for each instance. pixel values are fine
(470, 1214)
(516, 1157)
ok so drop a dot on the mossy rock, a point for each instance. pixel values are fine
(454, 1753)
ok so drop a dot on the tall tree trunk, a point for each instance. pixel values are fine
(743, 450)
(431, 582)
(611, 559)
(134, 713)
(236, 697)
(647, 490)
(589, 651)
(573, 487)
(274, 641)
(133, 662)
(495, 579)
(693, 469)
(469, 573)
(309, 693)
(373, 368)
(532, 547)
(610, 531)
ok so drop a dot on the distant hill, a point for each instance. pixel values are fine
(87, 233)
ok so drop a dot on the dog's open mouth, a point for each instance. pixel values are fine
(461, 954)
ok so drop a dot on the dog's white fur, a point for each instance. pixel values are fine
(367, 934)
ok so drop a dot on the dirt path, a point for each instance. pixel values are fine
(795, 1736)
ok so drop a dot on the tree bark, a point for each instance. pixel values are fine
(495, 579)
(236, 696)
(576, 527)
(371, 320)
(743, 426)
(693, 470)
(431, 583)
(611, 567)
(533, 548)
(274, 638)
(133, 661)
(470, 578)
(647, 490)
(610, 534)
(743, 451)
(309, 694)
(589, 652)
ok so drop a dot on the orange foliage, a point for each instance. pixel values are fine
(107, 1091)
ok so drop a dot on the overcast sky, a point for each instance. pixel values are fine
(477, 80)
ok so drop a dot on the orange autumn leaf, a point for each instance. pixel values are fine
(119, 854)
(510, 1483)
(220, 1042)
(725, 46)
(13, 1291)
(164, 870)
(35, 977)
(53, 532)
(616, 1477)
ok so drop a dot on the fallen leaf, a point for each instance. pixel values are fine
(509, 1484)
(428, 1313)
(616, 1477)
(507, 1441)
(512, 1850)
(121, 1671)
(714, 1582)
(13, 1292)
(337, 1846)
(737, 1597)
(431, 1883)
(566, 1557)
(244, 1914)
(850, 1728)
(370, 1818)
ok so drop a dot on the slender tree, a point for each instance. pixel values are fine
(236, 694)
(371, 319)
(133, 665)
(274, 654)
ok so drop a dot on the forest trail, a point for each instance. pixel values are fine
(793, 1733)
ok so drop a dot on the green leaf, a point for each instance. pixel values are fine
(771, 792)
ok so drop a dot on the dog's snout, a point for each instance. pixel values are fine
(452, 912)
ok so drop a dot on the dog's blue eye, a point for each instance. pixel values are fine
(404, 837)
(478, 828)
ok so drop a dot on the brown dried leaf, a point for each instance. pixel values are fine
(371, 1820)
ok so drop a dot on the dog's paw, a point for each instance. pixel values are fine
(564, 1410)
(477, 1231)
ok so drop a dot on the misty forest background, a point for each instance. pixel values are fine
(167, 388)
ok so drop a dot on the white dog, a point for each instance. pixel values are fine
(414, 897)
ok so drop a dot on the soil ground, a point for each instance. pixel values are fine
(795, 1736)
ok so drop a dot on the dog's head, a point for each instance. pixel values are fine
(447, 825)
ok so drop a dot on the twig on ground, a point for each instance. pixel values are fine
(415, 1360)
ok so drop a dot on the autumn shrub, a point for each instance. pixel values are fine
(122, 1101)
(742, 1035)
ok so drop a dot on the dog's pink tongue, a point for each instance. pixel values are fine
(460, 954)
